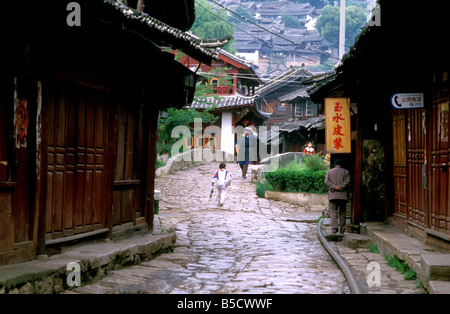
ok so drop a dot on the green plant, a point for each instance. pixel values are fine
(314, 163)
(261, 188)
(297, 180)
(159, 164)
(410, 274)
(401, 266)
(373, 248)
(320, 218)
(395, 262)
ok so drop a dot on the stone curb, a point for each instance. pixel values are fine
(49, 275)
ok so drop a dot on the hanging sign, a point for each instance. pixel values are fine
(337, 125)
(407, 100)
(21, 123)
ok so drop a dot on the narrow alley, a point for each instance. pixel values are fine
(250, 245)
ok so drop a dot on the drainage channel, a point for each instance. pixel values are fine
(345, 268)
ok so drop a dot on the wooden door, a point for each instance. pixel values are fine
(127, 203)
(400, 177)
(17, 167)
(22, 197)
(76, 172)
(439, 189)
(23, 167)
(417, 204)
(6, 183)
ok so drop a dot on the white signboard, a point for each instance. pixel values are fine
(407, 100)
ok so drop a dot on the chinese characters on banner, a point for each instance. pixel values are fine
(338, 127)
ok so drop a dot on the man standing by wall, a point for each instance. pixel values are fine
(337, 180)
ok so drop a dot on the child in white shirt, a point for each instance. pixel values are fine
(222, 179)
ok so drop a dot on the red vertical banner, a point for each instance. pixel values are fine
(337, 125)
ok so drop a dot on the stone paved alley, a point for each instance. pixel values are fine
(250, 245)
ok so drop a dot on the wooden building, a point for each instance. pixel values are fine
(82, 85)
(299, 119)
(306, 124)
(269, 94)
(396, 75)
(233, 100)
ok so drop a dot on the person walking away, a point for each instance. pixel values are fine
(309, 150)
(337, 179)
(221, 179)
(246, 147)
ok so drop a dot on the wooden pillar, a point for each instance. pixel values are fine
(111, 164)
(389, 179)
(41, 170)
(356, 203)
(152, 117)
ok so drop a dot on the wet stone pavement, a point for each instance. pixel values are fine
(250, 245)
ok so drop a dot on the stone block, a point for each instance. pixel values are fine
(436, 266)
(354, 240)
(439, 287)
(311, 201)
(365, 227)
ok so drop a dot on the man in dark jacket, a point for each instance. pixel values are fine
(337, 180)
(247, 149)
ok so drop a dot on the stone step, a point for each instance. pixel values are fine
(436, 266)
(392, 242)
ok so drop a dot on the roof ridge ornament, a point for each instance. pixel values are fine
(214, 43)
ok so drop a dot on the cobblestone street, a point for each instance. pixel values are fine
(250, 245)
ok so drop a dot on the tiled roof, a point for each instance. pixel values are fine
(316, 83)
(228, 102)
(296, 124)
(223, 102)
(299, 93)
(169, 35)
(288, 77)
(237, 59)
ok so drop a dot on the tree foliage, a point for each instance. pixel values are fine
(328, 23)
(176, 118)
(208, 25)
(290, 20)
(185, 117)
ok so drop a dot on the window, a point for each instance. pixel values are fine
(305, 108)
(299, 108)
(214, 81)
(282, 107)
(311, 109)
